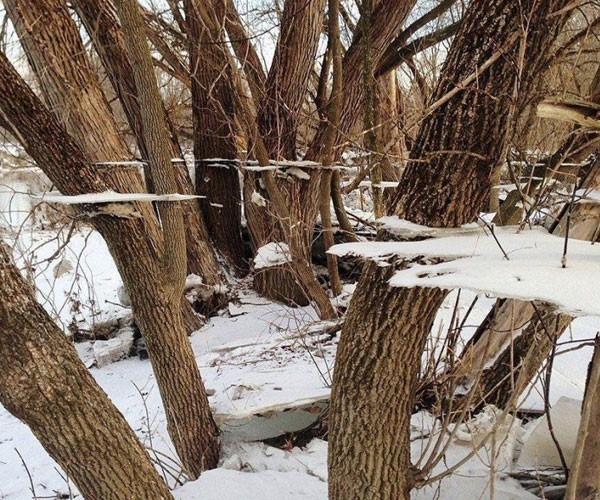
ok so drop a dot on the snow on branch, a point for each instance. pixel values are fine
(476, 262)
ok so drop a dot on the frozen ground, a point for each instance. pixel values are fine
(256, 357)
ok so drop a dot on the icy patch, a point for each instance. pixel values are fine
(272, 254)
(539, 449)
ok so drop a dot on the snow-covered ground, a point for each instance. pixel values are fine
(256, 358)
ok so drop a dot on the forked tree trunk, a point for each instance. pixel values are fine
(102, 25)
(445, 184)
(57, 55)
(278, 122)
(387, 20)
(64, 163)
(278, 116)
(215, 149)
(45, 385)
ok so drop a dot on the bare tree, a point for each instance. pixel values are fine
(446, 183)
(160, 320)
(44, 383)
(101, 23)
(215, 145)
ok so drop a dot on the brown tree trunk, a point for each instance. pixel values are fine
(57, 55)
(215, 149)
(189, 419)
(100, 21)
(334, 49)
(584, 477)
(44, 384)
(387, 19)
(245, 52)
(63, 162)
(278, 113)
(445, 184)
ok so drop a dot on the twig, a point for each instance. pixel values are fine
(31, 486)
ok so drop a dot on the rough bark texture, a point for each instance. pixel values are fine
(57, 55)
(44, 384)
(64, 163)
(386, 21)
(584, 477)
(245, 52)
(334, 49)
(214, 133)
(102, 25)
(189, 419)
(293, 62)
(446, 183)
(278, 112)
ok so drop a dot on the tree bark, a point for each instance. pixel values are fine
(334, 49)
(189, 419)
(584, 477)
(45, 385)
(102, 25)
(445, 184)
(387, 19)
(56, 53)
(215, 149)
(64, 163)
(278, 112)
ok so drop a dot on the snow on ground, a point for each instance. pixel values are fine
(256, 359)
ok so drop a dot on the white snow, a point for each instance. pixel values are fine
(272, 254)
(539, 449)
(258, 199)
(405, 229)
(477, 262)
(113, 197)
(257, 358)
(380, 185)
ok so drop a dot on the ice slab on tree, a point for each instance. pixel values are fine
(113, 197)
(409, 230)
(477, 262)
(539, 449)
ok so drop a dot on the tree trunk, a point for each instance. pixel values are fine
(334, 49)
(101, 23)
(445, 184)
(64, 163)
(278, 113)
(215, 149)
(189, 419)
(44, 384)
(584, 477)
(387, 19)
